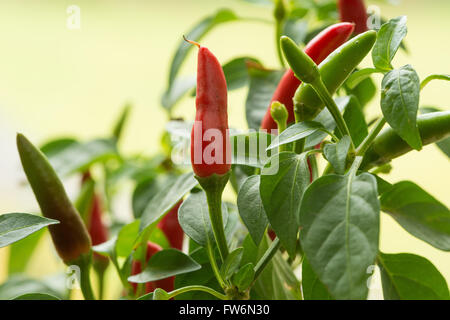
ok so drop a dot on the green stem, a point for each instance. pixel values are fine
(278, 33)
(214, 186)
(265, 259)
(84, 263)
(215, 268)
(197, 288)
(325, 96)
(365, 145)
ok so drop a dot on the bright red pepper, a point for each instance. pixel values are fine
(211, 119)
(136, 268)
(354, 11)
(318, 49)
(172, 229)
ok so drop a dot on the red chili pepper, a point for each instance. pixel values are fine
(172, 229)
(136, 268)
(211, 119)
(354, 11)
(318, 49)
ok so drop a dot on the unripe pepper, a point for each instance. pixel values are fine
(354, 11)
(318, 49)
(388, 145)
(211, 119)
(334, 70)
(70, 236)
(172, 229)
(136, 268)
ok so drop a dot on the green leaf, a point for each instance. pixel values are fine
(120, 124)
(283, 180)
(262, 86)
(85, 199)
(166, 198)
(339, 221)
(80, 156)
(36, 296)
(251, 208)
(21, 252)
(165, 264)
(313, 288)
(356, 123)
(244, 277)
(445, 77)
(250, 148)
(443, 145)
(359, 76)
(231, 263)
(54, 147)
(407, 276)
(180, 87)
(160, 294)
(260, 2)
(365, 91)
(16, 226)
(193, 216)
(236, 73)
(195, 34)
(336, 154)
(400, 102)
(388, 41)
(296, 132)
(296, 29)
(239, 173)
(418, 213)
(18, 285)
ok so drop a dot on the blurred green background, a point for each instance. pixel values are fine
(55, 81)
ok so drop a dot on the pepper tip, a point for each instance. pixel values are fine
(191, 42)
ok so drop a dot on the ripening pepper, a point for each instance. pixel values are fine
(172, 229)
(317, 49)
(354, 11)
(210, 141)
(70, 236)
(136, 268)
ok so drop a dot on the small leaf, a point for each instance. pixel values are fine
(283, 181)
(231, 263)
(400, 102)
(410, 277)
(296, 132)
(166, 198)
(313, 288)
(388, 41)
(336, 154)
(251, 208)
(340, 231)
(165, 264)
(16, 226)
(36, 296)
(262, 86)
(120, 124)
(193, 216)
(244, 277)
(418, 213)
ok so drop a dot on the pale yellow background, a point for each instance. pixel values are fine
(55, 81)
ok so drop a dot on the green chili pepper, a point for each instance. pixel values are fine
(303, 66)
(388, 145)
(70, 236)
(334, 70)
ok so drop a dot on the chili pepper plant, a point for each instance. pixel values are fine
(309, 176)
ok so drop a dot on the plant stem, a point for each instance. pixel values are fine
(215, 268)
(84, 263)
(365, 145)
(197, 288)
(278, 33)
(326, 98)
(214, 186)
(265, 259)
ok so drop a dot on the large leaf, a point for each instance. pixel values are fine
(251, 208)
(166, 198)
(388, 41)
(312, 287)
(164, 264)
(410, 277)
(16, 226)
(339, 221)
(418, 213)
(80, 156)
(262, 86)
(400, 95)
(250, 148)
(194, 218)
(283, 180)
